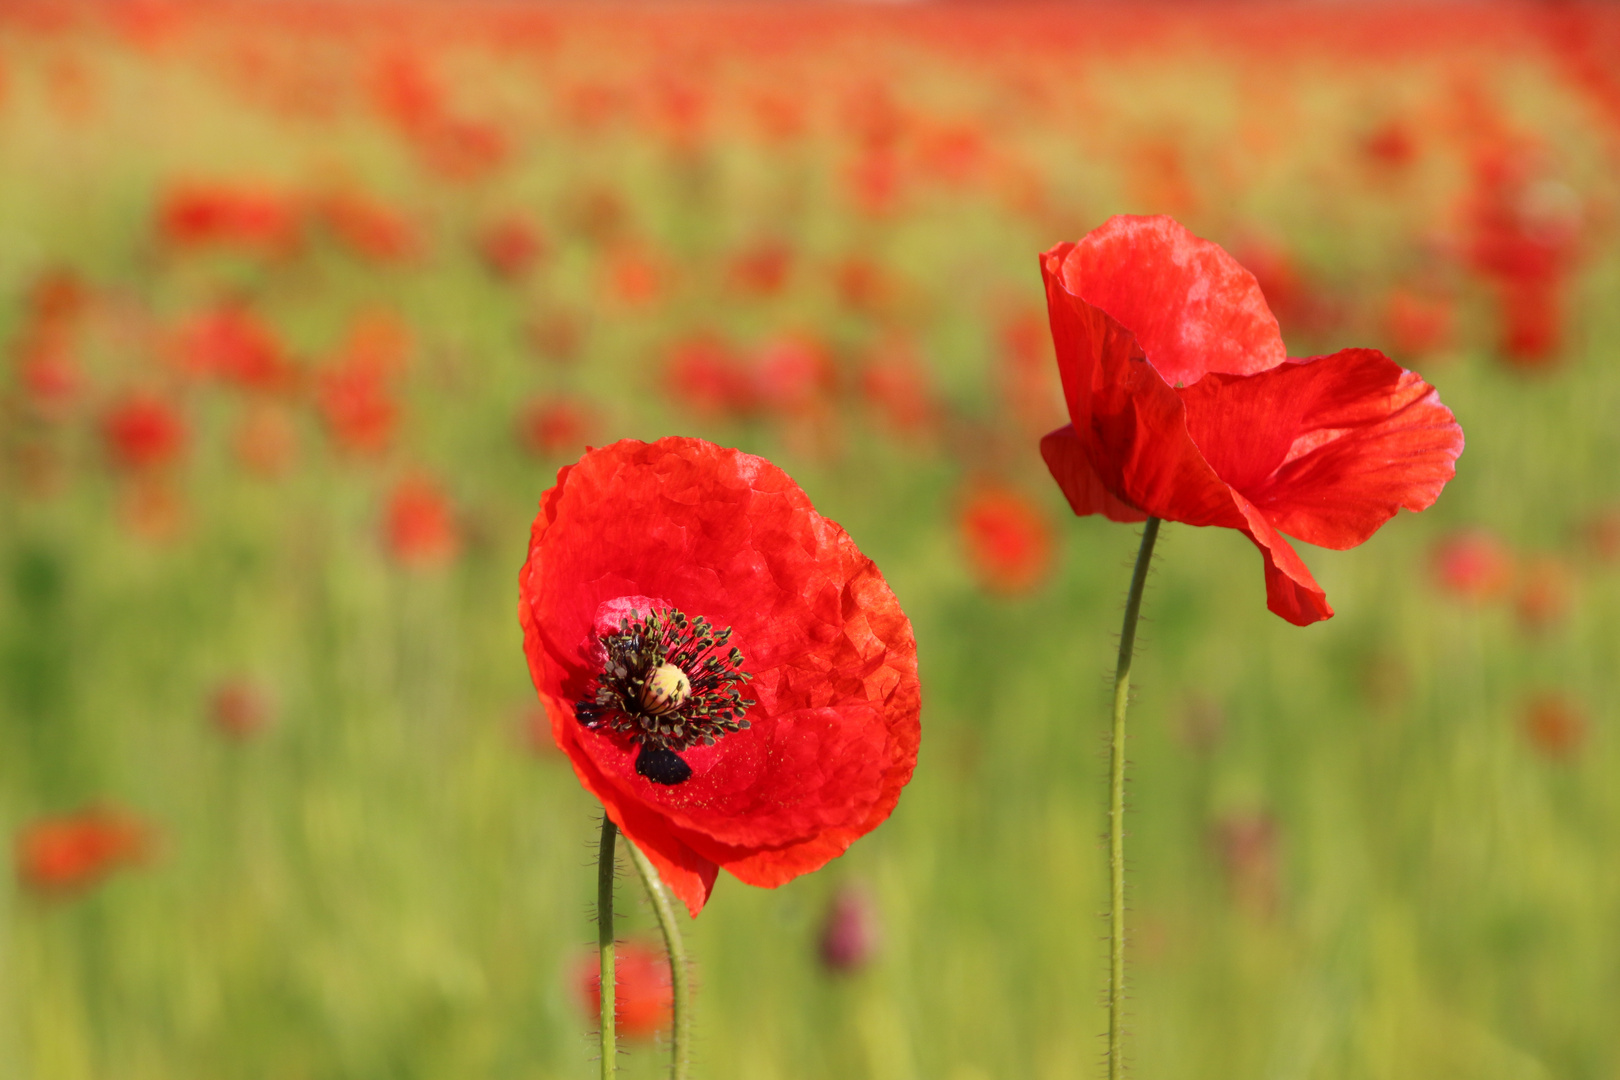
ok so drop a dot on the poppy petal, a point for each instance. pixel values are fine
(1191, 306)
(1291, 591)
(1066, 459)
(1329, 447)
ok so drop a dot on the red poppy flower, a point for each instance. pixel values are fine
(235, 345)
(895, 382)
(197, 215)
(239, 708)
(420, 529)
(1008, 538)
(74, 851)
(1474, 565)
(511, 246)
(144, 432)
(763, 269)
(547, 427)
(794, 375)
(705, 375)
(725, 670)
(643, 1001)
(635, 278)
(355, 394)
(48, 372)
(370, 229)
(1418, 322)
(359, 409)
(1184, 406)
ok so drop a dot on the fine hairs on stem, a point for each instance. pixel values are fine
(1116, 805)
(677, 960)
(605, 865)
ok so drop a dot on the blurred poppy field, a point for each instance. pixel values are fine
(302, 306)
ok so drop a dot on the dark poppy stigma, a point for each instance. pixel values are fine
(668, 683)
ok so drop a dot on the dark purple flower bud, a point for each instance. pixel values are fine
(850, 933)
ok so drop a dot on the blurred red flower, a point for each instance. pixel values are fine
(150, 508)
(864, 286)
(763, 269)
(359, 409)
(48, 372)
(1247, 842)
(1418, 321)
(1545, 589)
(643, 1002)
(1524, 233)
(1290, 294)
(794, 375)
(556, 336)
(420, 528)
(1028, 378)
(458, 148)
(849, 931)
(705, 375)
(1474, 565)
(1554, 725)
(1601, 532)
(511, 246)
(1391, 145)
(1009, 540)
(406, 92)
(239, 708)
(370, 229)
(214, 214)
(58, 296)
(1184, 406)
(634, 277)
(74, 851)
(725, 670)
(356, 393)
(895, 382)
(265, 439)
(235, 345)
(551, 426)
(144, 432)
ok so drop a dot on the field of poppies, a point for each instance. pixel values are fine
(304, 304)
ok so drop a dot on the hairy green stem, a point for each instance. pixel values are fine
(605, 865)
(665, 911)
(1116, 806)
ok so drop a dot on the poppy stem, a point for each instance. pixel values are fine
(1116, 806)
(677, 960)
(605, 866)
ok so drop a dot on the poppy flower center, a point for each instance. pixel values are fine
(668, 683)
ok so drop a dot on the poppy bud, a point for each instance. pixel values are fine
(849, 934)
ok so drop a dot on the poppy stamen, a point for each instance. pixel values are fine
(668, 683)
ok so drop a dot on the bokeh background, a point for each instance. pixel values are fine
(303, 304)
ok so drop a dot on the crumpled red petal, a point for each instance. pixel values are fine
(730, 537)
